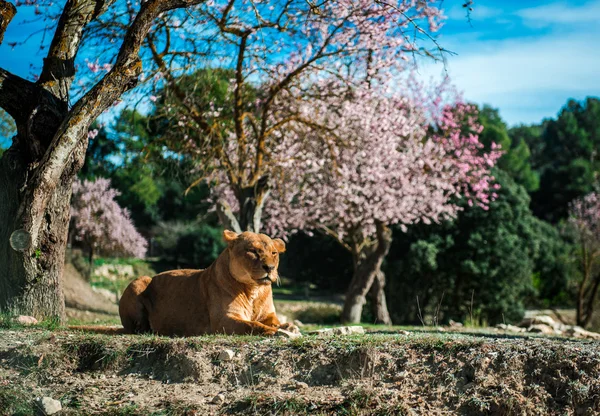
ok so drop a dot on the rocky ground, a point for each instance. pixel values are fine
(396, 372)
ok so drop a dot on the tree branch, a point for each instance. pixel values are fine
(227, 217)
(16, 95)
(7, 12)
(59, 65)
(73, 130)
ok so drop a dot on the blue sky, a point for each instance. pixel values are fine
(524, 57)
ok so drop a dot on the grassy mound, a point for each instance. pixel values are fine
(377, 373)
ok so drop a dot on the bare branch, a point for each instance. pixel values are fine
(227, 217)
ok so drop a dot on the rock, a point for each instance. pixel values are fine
(298, 323)
(403, 332)
(539, 320)
(300, 385)
(441, 329)
(340, 330)
(287, 334)
(349, 330)
(218, 399)
(541, 329)
(510, 328)
(579, 332)
(26, 320)
(455, 324)
(48, 405)
(226, 355)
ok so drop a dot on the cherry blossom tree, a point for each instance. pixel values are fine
(584, 218)
(101, 224)
(277, 51)
(396, 163)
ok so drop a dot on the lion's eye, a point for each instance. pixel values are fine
(274, 253)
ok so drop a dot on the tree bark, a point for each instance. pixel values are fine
(31, 275)
(252, 201)
(366, 269)
(378, 300)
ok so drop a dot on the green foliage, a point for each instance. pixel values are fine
(555, 272)
(516, 160)
(318, 260)
(478, 267)
(190, 244)
(16, 401)
(567, 158)
(321, 315)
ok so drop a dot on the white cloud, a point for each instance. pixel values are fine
(527, 78)
(561, 13)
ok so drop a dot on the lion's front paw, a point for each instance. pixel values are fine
(290, 327)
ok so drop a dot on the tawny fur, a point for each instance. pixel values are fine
(232, 296)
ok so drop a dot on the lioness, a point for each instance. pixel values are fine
(233, 295)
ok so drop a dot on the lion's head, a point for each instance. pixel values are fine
(254, 258)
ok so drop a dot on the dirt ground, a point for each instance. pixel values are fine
(417, 372)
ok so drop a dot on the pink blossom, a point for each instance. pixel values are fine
(92, 134)
(101, 223)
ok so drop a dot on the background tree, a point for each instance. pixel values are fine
(479, 266)
(272, 54)
(101, 225)
(568, 160)
(516, 158)
(585, 224)
(386, 172)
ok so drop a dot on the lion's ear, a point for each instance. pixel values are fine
(279, 245)
(229, 236)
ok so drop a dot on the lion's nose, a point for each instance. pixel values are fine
(268, 268)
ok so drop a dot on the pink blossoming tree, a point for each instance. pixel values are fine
(389, 165)
(585, 222)
(280, 51)
(101, 224)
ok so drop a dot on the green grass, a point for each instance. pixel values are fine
(16, 401)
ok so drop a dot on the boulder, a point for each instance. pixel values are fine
(218, 399)
(541, 329)
(341, 330)
(579, 332)
(539, 320)
(510, 328)
(48, 405)
(287, 334)
(26, 320)
(226, 355)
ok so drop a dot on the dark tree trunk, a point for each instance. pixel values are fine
(366, 269)
(31, 274)
(378, 301)
(586, 301)
(251, 200)
(91, 261)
